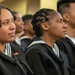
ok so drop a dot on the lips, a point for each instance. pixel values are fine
(65, 32)
(12, 34)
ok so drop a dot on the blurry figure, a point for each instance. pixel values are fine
(28, 30)
(16, 44)
(67, 9)
(19, 27)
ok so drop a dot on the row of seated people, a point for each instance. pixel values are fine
(50, 51)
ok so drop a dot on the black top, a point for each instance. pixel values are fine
(25, 42)
(10, 66)
(67, 46)
(18, 52)
(43, 61)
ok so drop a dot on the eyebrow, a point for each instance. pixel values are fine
(7, 19)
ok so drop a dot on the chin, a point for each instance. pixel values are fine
(63, 37)
(11, 40)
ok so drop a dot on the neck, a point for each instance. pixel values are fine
(50, 41)
(71, 32)
(30, 36)
(2, 47)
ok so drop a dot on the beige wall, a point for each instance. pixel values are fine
(48, 4)
(33, 6)
(29, 6)
(16, 5)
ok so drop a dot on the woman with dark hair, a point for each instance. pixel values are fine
(9, 64)
(43, 55)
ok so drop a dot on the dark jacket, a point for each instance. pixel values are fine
(43, 61)
(68, 47)
(18, 52)
(25, 41)
(10, 66)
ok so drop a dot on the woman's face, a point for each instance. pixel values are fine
(57, 27)
(7, 29)
(19, 23)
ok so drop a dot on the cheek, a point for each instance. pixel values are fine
(17, 24)
(2, 33)
(72, 16)
(2, 36)
(57, 29)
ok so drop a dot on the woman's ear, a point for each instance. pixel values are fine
(45, 26)
(66, 16)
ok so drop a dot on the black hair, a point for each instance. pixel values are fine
(27, 17)
(4, 7)
(41, 16)
(64, 5)
(14, 13)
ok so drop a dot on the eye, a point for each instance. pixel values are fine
(5, 23)
(60, 20)
(19, 19)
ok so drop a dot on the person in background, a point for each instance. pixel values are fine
(9, 64)
(19, 27)
(43, 55)
(16, 45)
(28, 30)
(67, 9)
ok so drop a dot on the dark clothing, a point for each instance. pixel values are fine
(15, 43)
(10, 66)
(43, 61)
(18, 52)
(68, 47)
(25, 42)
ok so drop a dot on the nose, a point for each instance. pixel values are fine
(22, 22)
(12, 26)
(65, 25)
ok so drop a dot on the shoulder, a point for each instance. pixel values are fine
(35, 49)
(16, 48)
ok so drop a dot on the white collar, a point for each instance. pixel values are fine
(54, 48)
(8, 50)
(24, 37)
(18, 41)
(72, 39)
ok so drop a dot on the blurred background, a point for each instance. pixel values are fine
(28, 6)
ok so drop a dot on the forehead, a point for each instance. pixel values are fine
(18, 15)
(57, 15)
(72, 5)
(5, 14)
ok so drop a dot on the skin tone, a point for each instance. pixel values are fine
(19, 23)
(69, 18)
(20, 34)
(7, 29)
(53, 30)
(28, 29)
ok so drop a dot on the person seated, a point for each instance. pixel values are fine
(26, 39)
(9, 62)
(43, 55)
